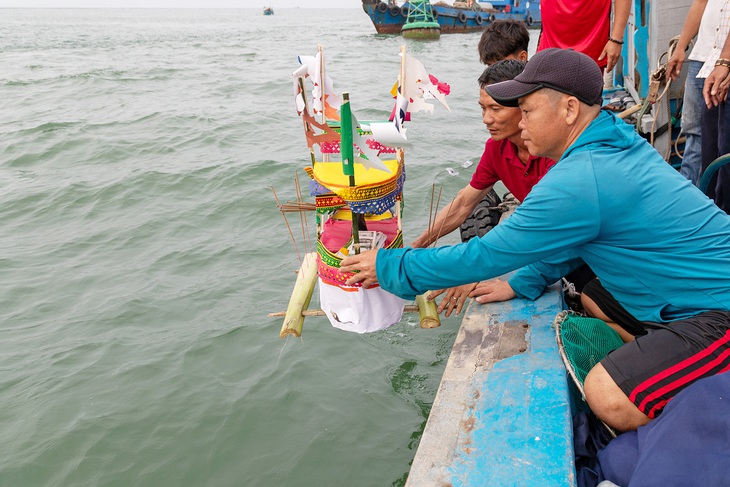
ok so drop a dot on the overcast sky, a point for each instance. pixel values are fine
(178, 3)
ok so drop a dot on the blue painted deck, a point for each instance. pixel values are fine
(502, 414)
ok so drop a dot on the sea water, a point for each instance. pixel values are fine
(141, 251)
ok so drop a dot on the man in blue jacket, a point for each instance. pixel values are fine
(660, 248)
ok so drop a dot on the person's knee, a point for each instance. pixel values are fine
(600, 391)
(589, 306)
(609, 403)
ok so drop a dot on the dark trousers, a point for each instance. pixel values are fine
(715, 125)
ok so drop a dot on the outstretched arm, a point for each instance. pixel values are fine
(454, 298)
(537, 230)
(451, 216)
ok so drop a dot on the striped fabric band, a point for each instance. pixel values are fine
(654, 393)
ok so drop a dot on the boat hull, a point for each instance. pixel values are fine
(390, 19)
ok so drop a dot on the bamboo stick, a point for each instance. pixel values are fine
(322, 84)
(401, 161)
(448, 212)
(292, 207)
(402, 77)
(291, 234)
(300, 297)
(427, 312)
(302, 219)
(409, 308)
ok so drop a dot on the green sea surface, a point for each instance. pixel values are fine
(141, 251)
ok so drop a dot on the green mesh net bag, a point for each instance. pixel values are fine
(583, 342)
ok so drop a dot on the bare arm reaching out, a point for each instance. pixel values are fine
(451, 216)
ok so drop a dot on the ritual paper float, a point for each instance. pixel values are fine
(357, 177)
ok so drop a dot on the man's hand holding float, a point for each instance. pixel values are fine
(363, 265)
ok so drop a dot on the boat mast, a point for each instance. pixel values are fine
(323, 115)
(348, 160)
(399, 150)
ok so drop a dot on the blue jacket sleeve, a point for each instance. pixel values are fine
(560, 213)
(530, 281)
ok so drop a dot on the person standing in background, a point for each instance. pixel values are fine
(585, 27)
(715, 122)
(702, 21)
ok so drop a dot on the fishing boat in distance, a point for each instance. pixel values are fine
(460, 17)
(268, 11)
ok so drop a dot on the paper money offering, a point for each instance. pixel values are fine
(370, 240)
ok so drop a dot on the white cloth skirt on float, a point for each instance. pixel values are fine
(360, 310)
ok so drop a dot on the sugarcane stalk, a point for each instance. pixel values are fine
(427, 312)
(300, 297)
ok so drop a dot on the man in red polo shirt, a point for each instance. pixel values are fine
(505, 158)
